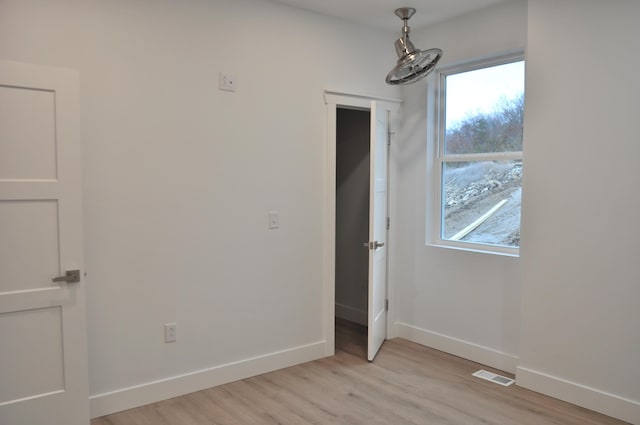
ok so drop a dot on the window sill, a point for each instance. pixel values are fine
(477, 248)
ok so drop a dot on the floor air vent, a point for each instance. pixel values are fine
(498, 379)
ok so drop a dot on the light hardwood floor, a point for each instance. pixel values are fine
(405, 384)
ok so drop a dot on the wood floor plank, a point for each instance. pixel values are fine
(407, 384)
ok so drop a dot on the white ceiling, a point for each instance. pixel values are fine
(380, 13)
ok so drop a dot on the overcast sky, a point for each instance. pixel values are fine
(480, 90)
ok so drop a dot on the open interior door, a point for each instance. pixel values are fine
(43, 353)
(377, 245)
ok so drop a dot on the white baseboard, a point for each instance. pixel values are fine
(351, 314)
(457, 347)
(590, 398)
(151, 392)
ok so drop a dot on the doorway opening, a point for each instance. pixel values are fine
(353, 128)
(379, 111)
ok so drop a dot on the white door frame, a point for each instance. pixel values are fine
(333, 101)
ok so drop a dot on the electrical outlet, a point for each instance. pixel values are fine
(226, 82)
(170, 332)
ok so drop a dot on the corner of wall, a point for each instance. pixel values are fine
(457, 347)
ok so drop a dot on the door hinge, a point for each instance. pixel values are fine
(386, 305)
(388, 223)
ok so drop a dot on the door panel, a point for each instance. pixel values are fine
(43, 367)
(32, 257)
(27, 120)
(377, 320)
(36, 371)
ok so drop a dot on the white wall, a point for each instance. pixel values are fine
(179, 178)
(461, 302)
(581, 274)
(352, 214)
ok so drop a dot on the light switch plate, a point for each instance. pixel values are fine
(170, 332)
(274, 220)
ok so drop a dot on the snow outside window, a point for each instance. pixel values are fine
(479, 159)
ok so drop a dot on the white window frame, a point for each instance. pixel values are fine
(435, 236)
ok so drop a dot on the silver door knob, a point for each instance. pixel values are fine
(71, 276)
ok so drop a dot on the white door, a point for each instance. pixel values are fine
(43, 353)
(377, 317)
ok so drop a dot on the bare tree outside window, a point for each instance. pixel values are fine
(481, 155)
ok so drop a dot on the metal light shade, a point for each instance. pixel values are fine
(413, 64)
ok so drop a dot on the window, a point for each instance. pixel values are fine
(479, 155)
